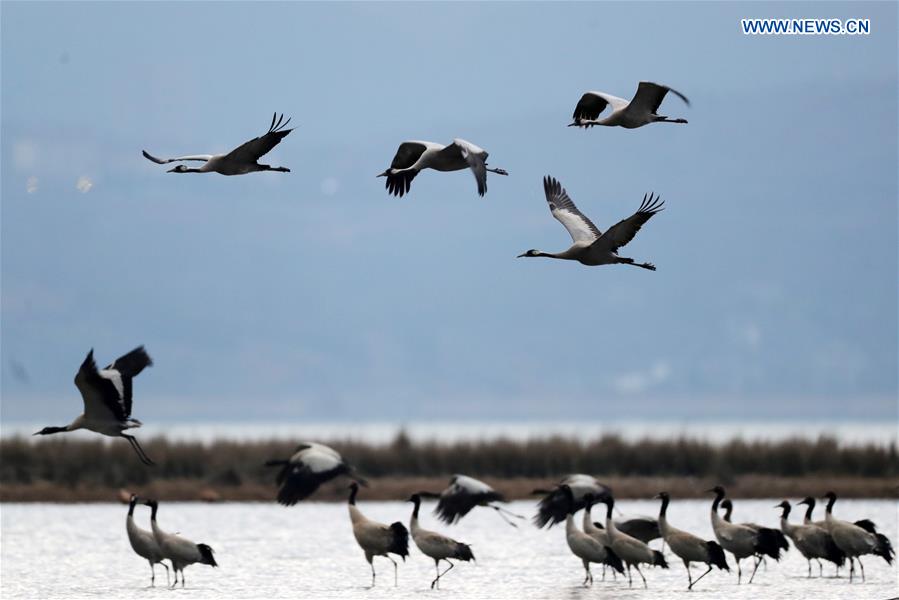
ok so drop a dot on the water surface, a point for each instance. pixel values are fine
(265, 550)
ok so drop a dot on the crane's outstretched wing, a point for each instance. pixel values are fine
(102, 396)
(163, 161)
(476, 159)
(649, 97)
(581, 228)
(592, 104)
(624, 231)
(406, 155)
(250, 152)
(124, 369)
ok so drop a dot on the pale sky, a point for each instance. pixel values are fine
(315, 295)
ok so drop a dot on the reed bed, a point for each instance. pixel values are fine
(64, 469)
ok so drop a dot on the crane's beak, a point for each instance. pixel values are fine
(522, 255)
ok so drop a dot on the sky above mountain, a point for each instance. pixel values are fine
(315, 295)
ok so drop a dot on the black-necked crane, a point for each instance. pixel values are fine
(728, 506)
(465, 493)
(630, 550)
(144, 543)
(377, 539)
(107, 396)
(639, 111)
(583, 545)
(240, 161)
(592, 247)
(743, 541)
(813, 542)
(554, 506)
(311, 465)
(180, 551)
(642, 527)
(809, 501)
(688, 547)
(595, 528)
(856, 541)
(436, 546)
(414, 156)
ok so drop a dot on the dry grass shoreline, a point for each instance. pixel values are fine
(400, 488)
(66, 470)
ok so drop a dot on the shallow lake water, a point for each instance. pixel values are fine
(265, 550)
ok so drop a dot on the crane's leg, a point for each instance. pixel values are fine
(166, 572)
(182, 579)
(754, 569)
(630, 582)
(437, 581)
(396, 580)
(371, 563)
(502, 512)
(587, 576)
(152, 574)
(689, 575)
(175, 583)
(859, 559)
(641, 576)
(709, 570)
(809, 567)
(739, 572)
(603, 571)
(851, 568)
(137, 448)
(436, 572)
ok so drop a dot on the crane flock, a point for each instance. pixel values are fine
(623, 543)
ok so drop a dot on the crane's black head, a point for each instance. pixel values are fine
(719, 490)
(416, 498)
(662, 496)
(831, 496)
(178, 169)
(807, 500)
(151, 503)
(354, 489)
(784, 505)
(49, 430)
(530, 253)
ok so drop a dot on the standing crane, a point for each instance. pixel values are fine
(688, 547)
(811, 541)
(583, 545)
(436, 546)
(856, 541)
(629, 549)
(144, 544)
(180, 551)
(377, 539)
(743, 541)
